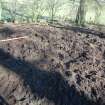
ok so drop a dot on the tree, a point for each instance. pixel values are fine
(73, 4)
(98, 7)
(37, 9)
(53, 7)
(13, 10)
(80, 17)
(1, 4)
(11, 7)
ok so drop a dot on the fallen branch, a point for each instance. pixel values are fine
(12, 39)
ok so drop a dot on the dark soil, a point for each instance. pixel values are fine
(53, 66)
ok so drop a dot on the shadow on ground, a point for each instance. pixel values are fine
(6, 32)
(2, 101)
(82, 30)
(51, 85)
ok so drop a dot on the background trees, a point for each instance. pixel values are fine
(53, 7)
(10, 10)
(13, 9)
(37, 9)
(79, 11)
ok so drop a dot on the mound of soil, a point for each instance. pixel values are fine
(52, 66)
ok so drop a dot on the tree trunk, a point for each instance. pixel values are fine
(52, 15)
(80, 18)
(0, 11)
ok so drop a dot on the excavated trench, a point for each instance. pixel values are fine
(44, 65)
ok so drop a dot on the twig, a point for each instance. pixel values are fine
(12, 39)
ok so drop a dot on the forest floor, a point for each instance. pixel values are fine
(51, 65)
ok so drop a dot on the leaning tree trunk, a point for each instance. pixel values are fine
(80, 18)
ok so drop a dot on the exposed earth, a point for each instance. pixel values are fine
(51, 66)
